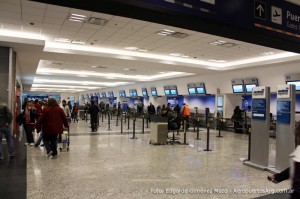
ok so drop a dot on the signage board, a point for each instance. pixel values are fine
(283, 112)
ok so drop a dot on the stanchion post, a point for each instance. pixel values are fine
(198, 130)
(128, 122)
(207, 140)
(143, 125)
(108, 122)
(219, 122)
(133, 131)
(121, 123)
(125, 117)
(147, 121)
(184, 136)
(117, 121)
(249, 144)
(102, 115)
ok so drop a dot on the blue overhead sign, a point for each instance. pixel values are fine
(283, 112)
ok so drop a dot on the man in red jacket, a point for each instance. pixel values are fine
(52, 122)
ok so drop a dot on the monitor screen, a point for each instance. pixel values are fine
(167, 92)
(200, 90)
(154, 93)
(144, 94)
(296, 83)
(249, 87)
(103, 95)
(173, 92)
(237, 88)
(134, 94)
(192, 91)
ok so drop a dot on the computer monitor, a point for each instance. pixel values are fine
(238, 88)
(192, 91)
(200, 90)
(296, 83)
(249, 87)
(167, 92)
(173, 92)
(154, 93)
(144, 93)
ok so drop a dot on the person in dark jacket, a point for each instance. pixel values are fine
(52, 123)
(5, 121)
(94, 110)
(237, 118)
(28, 122)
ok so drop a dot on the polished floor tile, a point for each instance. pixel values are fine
(107, 164)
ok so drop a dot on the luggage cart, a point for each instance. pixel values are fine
(65, 140)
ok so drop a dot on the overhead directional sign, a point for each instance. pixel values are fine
(260, 9)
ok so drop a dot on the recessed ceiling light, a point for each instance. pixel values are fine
(179, 55)
(171, 33)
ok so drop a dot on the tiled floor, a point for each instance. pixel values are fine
(110, 165)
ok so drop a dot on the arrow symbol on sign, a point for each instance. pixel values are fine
(258, 115)
(260, 9)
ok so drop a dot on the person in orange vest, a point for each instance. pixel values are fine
(185, 112)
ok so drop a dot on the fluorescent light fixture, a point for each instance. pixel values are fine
(267, 53)
(52, 46)
(217, 61)
(131, 48)
(142, 50)
(56, 89)
(20, 34)
(64, 40)
(165, 32)
(77, 15)
(76, 20)
(77, 42)
(62, 86)
(111, 75)
(179, 55)
(218, 42)
(74, 82)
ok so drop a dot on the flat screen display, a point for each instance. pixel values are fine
(103, 95)
(154, 93)
(249, 87)
(237, 88)
(144, 94)
(200, 90)
(192, 91)
(167, 92)
(173, 92)
(296, 83)
(132, 94)
(122, 94)
(111, 95)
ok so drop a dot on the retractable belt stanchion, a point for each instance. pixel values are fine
(249, 144)
(108, 121)
(105, 114)
(184, 136)
(128, 122)
(125, 117)
(102, 115)
(143, 125)
(197, 130)
(133, 131)
(117, 121)
(147, 121)
(207, 139)
(219, 124)
(111, 115)
(122, 123)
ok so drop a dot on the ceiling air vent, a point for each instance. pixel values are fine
(172, 33)
(97, 21)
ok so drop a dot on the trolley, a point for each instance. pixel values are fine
(64, 142)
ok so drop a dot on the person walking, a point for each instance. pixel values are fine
(94, 110)
(5, 121)
(28, 122)
(52, 123)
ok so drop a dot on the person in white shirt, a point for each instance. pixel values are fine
(66, 108)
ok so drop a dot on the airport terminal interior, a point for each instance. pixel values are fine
(195, 99)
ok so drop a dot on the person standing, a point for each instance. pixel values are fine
(5, 121)
(185, 112)
(28, 122)
(75, 112)
(237, 118)
(38, 109)
(94, 110)
(66, 109)
(52, 123)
